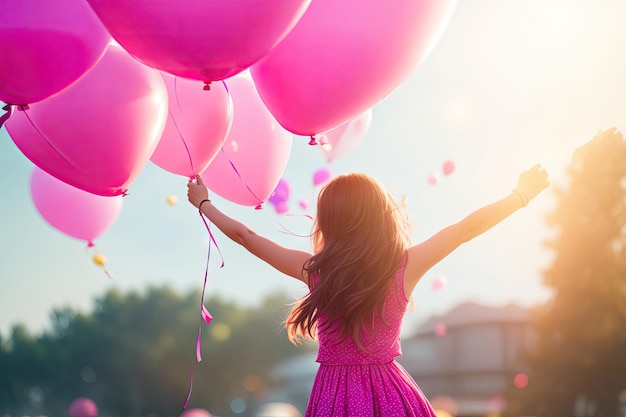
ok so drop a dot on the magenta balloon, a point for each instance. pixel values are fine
(46, 47)
(253, 159)
(345, 56)
(196, 127)
(345, 138)
(98, 134)
(281, 192)
(204, 40)
(75, 212)
(321, 176)
(83, 407)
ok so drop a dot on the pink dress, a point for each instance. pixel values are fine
(353, 383)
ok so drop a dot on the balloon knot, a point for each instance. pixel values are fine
(207, 85)
(312, 141)
(5, 116)
(259, 206)
(22, 107)
(90, 244)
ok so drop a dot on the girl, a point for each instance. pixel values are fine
(360, 275)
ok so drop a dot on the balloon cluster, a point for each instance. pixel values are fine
(173, 89)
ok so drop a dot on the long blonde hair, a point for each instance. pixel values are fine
(359, 237)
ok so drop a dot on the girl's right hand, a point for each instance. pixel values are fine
(196, 191)
(531, 182)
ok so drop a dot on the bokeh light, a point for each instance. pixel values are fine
(445, 403)
(520, 380)
(220, 332)
(252, 382)
(238, 406)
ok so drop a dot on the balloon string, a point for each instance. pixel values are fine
(90, 246)
(59, 153)
(190, 388)
(176, 124)
(259, 206)
(204, 313)
(289, 232)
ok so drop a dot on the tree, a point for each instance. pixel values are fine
(578, 364)
(134, 353)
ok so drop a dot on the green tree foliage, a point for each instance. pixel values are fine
(134, 355)
(578, 365)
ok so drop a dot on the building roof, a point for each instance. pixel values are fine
(470, 313)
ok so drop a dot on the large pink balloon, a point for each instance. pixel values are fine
(205, 40)
(196, 127)
(345, 56)
(342, 140)
(75, 212)
(251, 162)
(45, 47)
(98, 134)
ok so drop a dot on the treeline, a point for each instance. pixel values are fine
(135, 352)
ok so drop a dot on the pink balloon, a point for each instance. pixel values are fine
(253, 159)
(203, 40)
(439, 283)
(345, 56)
(196, 127)
(303, 203)
(321, 176)
(282, 207)
(46, 47)
(342, 140)
(98, 134)
(83, 407)
(75, 212)
(433, 179)
(448, 167)
(195, 412)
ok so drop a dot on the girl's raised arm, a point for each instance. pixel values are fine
(287, 261)
(425, 255)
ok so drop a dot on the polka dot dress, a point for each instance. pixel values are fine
(351, 382)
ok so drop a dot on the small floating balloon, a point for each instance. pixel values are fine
(99, 259)
(83, 407)
(303, 203)
(282, 207)
(171, 200)
(321, 176)
(440, 329)
(448, 167)
(439, 283)
(281, 192)
(433, 179)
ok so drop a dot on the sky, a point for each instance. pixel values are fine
(510, 84)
